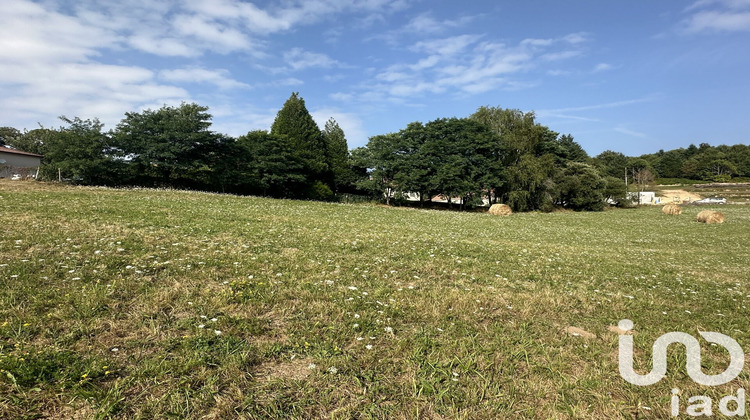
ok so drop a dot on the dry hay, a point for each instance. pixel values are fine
(710, 217)
(500, 210)
(672, 209)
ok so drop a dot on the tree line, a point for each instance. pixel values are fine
(174, 147)
(695, 163)
(495, 155)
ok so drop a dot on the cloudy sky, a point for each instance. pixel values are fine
(632, 76)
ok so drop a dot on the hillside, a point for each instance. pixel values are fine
(155, 303)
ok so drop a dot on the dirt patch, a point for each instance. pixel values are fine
(579, 332)
(296, 369)
(677, 196)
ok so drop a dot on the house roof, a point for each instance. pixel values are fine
(17, 152)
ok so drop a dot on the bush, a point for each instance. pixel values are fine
(320, 191)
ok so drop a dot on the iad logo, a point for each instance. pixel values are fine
(703, 406)
(693, 363)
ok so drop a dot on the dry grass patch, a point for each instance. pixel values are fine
(296, 369)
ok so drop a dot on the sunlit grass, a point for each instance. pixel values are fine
(155, 304)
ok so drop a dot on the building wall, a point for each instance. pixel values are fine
(19, 161)
(12, 163)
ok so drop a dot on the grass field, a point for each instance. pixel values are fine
(167, 304)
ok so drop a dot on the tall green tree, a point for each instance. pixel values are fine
(268, 166)
(462, 158)
(570, 150)
(381, 158)
(81, 153)
(295, 123)
(527, 155)
(580, 187)
(611, 163)
(338, 153)
(169, 146)
(739, 155)
(8, 134)
(33, 141)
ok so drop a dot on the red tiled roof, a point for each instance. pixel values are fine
(17, 152)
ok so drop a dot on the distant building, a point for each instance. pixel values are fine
(17, 163)
(645, 197)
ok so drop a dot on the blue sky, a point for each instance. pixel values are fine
(630, 76)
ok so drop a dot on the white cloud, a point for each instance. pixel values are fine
(632, 133)
(219, 78)
(717, 16)
(465, 64)
(28, 33)
(561, 55)
(602, 67)
(340, 96)
(47, 68)
(299, 59)
(719, 21)
(216, 36)
(446, 46)
(615, 104)
(570, 113)
(350, 123)
(422, 24)
(169, 47)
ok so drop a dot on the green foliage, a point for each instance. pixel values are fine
(80, 153)
(267, 165)
(612, 163)
(455, 158)
(580, 187)
(319, 191)
(33, 141)
(169, 146)
(380, 158)
(705, 162)
(8, 134)
(338, 152)
(529, 154)
(615, 191)
(295, 123)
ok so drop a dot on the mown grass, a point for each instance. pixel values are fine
(164, 304)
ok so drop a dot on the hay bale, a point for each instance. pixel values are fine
(672, 209)
(500, 210)
(710, 217)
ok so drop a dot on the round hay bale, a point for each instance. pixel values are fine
(672, 209)
(710, 217)
(500, 210)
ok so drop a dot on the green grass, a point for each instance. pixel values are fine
(167, 304)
